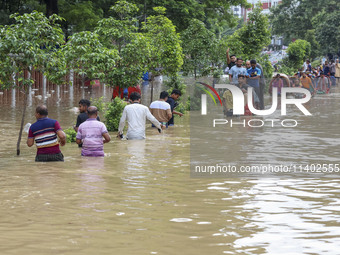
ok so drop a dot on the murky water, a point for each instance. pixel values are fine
(140, 198)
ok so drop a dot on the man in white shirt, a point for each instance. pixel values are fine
(161, 109)
(136, 114)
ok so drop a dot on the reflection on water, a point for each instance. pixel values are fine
(140, 199)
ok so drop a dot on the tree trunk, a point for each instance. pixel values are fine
(51, 7)
(151, 90)
(22, 121)
(152, 76)
(195, 73)
(83, 86)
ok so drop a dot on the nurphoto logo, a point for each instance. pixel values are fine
(239, 102)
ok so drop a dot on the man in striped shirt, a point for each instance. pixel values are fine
(45, 133)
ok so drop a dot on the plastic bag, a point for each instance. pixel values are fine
(27, 127)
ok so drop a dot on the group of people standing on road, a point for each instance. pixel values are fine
(243, 76)
(92, 133)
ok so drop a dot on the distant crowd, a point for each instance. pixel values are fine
(318, 79)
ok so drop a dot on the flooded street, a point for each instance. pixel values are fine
(140, 198)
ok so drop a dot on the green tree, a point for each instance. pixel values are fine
(297, 52)
(114, 113)
(327, 28)
(197, 42)
(79, 15)
(82, 14)
(9, 7)
(166, 52)
(183, 11)
(293, 18)
(315, 46)
(249, 40)
(308, 20)
(133, 48)
(87, 57)
(27, 44)
(217, 57)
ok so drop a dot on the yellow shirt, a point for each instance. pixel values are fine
(306, 82)
(228, 96)
(337, 70)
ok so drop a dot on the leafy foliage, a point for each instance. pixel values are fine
(297, 52)
(133, 48)
(197, 41)
(175, 82)
(266, 66)
(315, 46)
(248, 41)
(217, 57)
(166, 51)
(114, 113)
(293, 18)
(327, 29)
(287, 70)
(70, 135)
(296, 19)
(195, 99)
(99, 103)
(79, 15)
(85, 54)
(26, 45)
(83, 14)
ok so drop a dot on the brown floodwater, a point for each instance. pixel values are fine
(140, 198)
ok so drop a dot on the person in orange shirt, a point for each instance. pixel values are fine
(306, 82)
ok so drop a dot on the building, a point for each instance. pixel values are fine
(241, 12)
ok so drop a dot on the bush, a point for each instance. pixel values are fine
(181, 108)
(70, 135)
(114, 113)
(316, 62)
(297, 52)
(290, 71)
(195, 100)
(175, 82)
(99, 103)
(266, 66)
